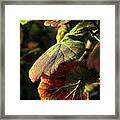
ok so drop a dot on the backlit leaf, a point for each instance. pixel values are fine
(55, 23)
(66, 50)
(65, 84)
(62, 52)
(65, 68)
(90, 87)
(23, 22)
(62, 31)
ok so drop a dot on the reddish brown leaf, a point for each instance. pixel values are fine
(94, 58)
(55, 86)
(48, 86)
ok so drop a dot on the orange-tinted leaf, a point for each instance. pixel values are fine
(67, 83)
(55, 23)
(48, 86)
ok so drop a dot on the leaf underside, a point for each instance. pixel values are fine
(62, 52)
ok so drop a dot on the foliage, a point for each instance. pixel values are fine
(23, 22)
(69, 69)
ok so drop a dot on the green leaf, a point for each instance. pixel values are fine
(23, 22)
(62, 52)
(80, 27)
(80, 32)
(79, 73)
(61, 32)
(78, 91)
(69, 48)
(94, 90)
(91, 87)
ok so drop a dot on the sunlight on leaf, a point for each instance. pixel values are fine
(65, 51)
(69, 70)
(23, 22)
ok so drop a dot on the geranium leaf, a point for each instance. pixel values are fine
(78, 91)
(68, 49)
(62, 52)
(65, 83)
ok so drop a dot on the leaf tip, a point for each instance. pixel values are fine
(33, 74)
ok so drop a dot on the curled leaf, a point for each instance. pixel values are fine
(63, 52)
(94, 58)
(68, 49)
